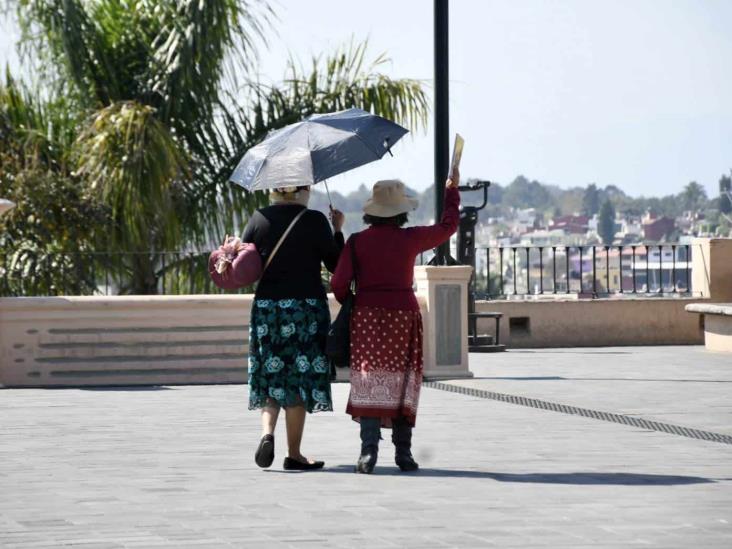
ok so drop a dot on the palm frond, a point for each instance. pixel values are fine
(34, 134)
(136, 166)
(342, 80)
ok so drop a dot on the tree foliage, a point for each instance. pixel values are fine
(725, 194)
(54, 220)
(693, 197)
(163, 106)
(606, 223)
(522, 193)
(591, 200)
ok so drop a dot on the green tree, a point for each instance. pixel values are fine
(43, 238)
(591, 200)
(693, 198)
(165, 106)
(725, 194)
(606, 223)
(522, 193)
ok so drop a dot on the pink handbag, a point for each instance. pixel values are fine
(238, 264)
(231, 270)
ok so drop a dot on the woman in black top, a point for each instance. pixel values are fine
(290, 318)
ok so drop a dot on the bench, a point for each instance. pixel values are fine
(717, 319)
(484, 344)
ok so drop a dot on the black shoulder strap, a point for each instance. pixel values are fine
(282, 239)
(354, 263)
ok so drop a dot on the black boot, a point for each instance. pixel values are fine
(401, 436)
(370, 435)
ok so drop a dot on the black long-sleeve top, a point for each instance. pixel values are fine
(294, 273)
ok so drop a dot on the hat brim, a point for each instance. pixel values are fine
(405, 205)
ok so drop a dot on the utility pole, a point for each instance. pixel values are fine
(442, 116)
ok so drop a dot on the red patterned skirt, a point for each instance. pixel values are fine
(386, 364)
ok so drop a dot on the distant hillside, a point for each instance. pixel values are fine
(548, 200)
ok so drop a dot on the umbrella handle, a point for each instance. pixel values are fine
(327, 190)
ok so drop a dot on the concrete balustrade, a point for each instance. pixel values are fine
(166, 340)
(123, 340)
(443, 296)
(632, 320)
(717, 322)
(593, 323)
(130, 340)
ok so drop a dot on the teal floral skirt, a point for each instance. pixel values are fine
(287, 363)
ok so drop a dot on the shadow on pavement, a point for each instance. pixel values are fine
(560, 378)
(570, 352)
(609, 479)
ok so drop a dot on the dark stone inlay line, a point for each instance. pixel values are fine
(152, 329)
(584, 412)
(148, 372)
(142, 344)
(138, 358)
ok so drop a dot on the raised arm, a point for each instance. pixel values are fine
(426, 238)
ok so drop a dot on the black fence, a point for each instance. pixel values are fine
(588, 271)
(502, 272)
(105, 273)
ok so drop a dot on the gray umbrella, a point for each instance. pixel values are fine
(319, 147)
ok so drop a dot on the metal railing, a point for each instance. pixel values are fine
(24, 273)
(501, 272)
(587, 271)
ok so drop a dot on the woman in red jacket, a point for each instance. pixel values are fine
(386, 325)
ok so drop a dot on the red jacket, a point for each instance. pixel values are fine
(385, 256)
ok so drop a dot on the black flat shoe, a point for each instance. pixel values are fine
(366, 463)
(264, 456)
(291, 464)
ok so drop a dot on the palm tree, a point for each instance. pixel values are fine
(155, 83)
(338, 81)
(44, 239)
(693, 197)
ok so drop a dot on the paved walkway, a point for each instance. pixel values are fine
(173, 467)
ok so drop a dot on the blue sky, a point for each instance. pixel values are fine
(636, 93)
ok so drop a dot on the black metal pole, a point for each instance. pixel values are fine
(442, 116)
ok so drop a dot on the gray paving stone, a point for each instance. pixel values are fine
(128, 468)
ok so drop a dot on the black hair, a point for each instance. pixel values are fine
(396, 220)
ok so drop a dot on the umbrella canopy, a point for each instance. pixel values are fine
(319, 147)
(6, 205)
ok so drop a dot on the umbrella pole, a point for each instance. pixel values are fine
(327, 190)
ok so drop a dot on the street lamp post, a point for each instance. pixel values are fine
(442, 116)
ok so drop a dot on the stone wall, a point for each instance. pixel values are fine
(593, 323)
(72, 341)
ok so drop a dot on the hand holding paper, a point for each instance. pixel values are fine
(457, 154)
(453, 178)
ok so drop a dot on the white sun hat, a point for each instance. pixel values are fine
(389, 198)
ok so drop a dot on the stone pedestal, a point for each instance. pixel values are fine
(443, 295)
(712, 268)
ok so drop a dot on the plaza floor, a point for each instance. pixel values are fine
(173, 466)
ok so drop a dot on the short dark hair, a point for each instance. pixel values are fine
(397, 220)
